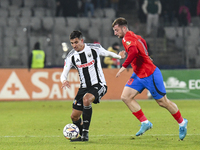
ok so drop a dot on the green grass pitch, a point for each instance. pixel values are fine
(38, 125)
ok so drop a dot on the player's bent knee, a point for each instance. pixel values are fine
(161, 104)
(88, 99)
(124, 98)
(86, 102)
(164, 102)
(74, 118)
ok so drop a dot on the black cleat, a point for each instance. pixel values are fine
(76, 140)
(82, 138)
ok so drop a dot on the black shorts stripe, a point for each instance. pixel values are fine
(161, 93)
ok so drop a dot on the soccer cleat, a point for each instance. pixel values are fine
(84, 137)
(77, 139)
(183, 130)
(144, 127)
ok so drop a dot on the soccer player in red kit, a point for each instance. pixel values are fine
(145, 75)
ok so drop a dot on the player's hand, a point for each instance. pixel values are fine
(65, 84)
(122, 54)
(118, 74)
(120, 71)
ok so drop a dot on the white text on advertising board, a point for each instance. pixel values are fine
(14, 89)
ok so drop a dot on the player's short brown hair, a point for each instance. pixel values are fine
(76, 34)
(120, 21)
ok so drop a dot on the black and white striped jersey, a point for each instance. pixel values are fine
(88, 64)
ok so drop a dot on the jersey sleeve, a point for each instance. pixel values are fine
(66, 69)
(104, 52)
(132, 54)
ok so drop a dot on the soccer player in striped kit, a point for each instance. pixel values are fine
(145, 75)
(85, 58)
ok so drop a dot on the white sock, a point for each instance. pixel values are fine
(146, 121)
(182, 123)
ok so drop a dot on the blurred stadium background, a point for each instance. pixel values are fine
(26, 125)
(24, 22)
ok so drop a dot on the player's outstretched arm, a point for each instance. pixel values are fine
(106, 53)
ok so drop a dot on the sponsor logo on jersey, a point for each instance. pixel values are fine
(86, 65)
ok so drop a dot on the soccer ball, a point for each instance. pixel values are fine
(71, 131)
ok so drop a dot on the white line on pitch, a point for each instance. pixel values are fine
(24, 136)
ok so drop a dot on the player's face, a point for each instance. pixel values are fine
(118, 31)
(77, 44)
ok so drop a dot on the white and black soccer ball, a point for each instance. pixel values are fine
(71, 131)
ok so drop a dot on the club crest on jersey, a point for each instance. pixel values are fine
(128, 42)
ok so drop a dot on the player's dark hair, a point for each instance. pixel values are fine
(76, 34)
(120, 21)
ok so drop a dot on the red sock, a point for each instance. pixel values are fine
(140, 115)
(177, 116)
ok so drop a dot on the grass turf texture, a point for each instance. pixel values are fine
(38, 125)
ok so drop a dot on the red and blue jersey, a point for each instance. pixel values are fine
(138, 57)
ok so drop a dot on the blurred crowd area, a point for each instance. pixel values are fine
(24, 22)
